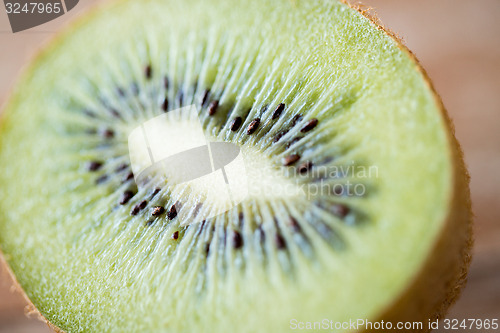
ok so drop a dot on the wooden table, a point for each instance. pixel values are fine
(458, 43)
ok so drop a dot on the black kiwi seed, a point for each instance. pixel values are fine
(172, 213)
(290, 159)
(280, 135)
(309, 125)
(261, 233)
(180, 96)
(121, 167)
(120, 92)
(241, 219)
(235, 124)
(280, 242)
(207, 249)
(294, 224)
(338, 190)
(327, 160)
(143, 204)
(89, 113)
(340, 210)
(126, 196)
(137, 208)
(212, 107)
(157, 210)
(101, 179)
(277, 112)
(204, 100)
(175, 235)
(253, 126)
(108, 133)
(304, 167)
(114, 113)
(296, 119)
(94, 166)
(148, 72)
(164, 105)
(155, 192)
(237, 240)
(128, 177)
(166, 82)
(196, 210)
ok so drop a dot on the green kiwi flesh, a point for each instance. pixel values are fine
(302, 87)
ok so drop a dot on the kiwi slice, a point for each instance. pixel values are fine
(374, 223)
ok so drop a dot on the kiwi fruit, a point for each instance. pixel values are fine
(317, 96)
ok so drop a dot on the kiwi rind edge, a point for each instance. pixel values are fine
(451, 278)
(436, 287)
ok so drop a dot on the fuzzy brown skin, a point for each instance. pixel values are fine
(30, 310)
(444, 275)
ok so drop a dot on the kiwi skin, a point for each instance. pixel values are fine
(29, 310)
(443, 276)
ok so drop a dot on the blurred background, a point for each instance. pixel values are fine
(457, 42)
